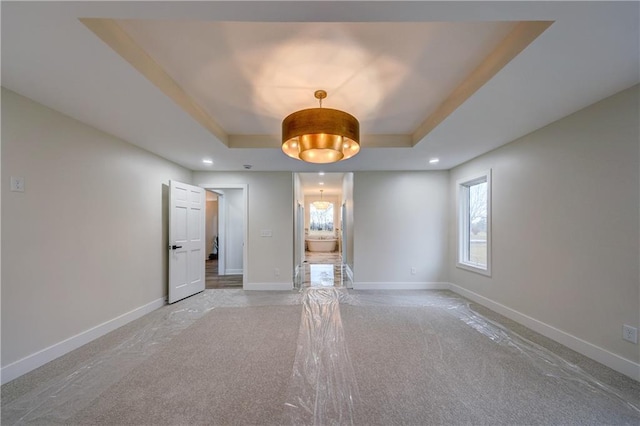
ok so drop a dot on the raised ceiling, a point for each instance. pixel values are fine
(214, 79)
(389, 75)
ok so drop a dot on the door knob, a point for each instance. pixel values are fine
(175, 247)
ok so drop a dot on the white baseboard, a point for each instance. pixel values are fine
(35, 360)
(400, 286)
(268, 286)
(233, 271)
(622, 365)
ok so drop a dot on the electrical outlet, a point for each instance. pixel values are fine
(630, 334)
(17, 184)
(413, 270)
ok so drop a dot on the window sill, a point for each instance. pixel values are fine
(472, 268)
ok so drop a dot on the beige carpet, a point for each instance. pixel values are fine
(419, 365)
(225, 369)
(364, 358)
(411, 365)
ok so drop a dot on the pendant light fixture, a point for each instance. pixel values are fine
(321, 205)
(320, 135)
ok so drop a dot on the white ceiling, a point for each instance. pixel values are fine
(248, 64)
(372, 70)
(329, 183)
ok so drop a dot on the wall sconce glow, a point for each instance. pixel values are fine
(321, 173)
(321, 183)
(434, 161)
(207, 161)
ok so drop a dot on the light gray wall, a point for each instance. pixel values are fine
(270, 207)
(400, 222)
(566, 224)
(87, 241)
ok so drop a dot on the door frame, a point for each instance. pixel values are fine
(343, 231)
(298, 245)
(219, 187)
(222, 261)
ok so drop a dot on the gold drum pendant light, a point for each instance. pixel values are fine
(320, 135)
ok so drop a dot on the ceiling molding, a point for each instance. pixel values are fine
(115, 37)
(515, 42)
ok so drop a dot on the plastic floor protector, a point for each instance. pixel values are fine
(59, 398)
(323, 389)
(545, 361)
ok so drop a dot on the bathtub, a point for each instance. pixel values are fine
(325, 245)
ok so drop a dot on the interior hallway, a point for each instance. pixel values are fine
(320, 269)
(323, 270)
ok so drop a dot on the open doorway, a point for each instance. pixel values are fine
(323, 203)
(224, 233)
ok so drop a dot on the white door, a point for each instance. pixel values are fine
(186, 240)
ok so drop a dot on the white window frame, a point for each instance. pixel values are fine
(462, 187)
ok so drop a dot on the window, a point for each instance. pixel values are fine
(321, 219)
(474, 223)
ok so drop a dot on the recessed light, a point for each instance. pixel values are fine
(434, 161)
(207, 161)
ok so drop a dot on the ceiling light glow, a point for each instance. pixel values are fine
(434, 161)
(207, 161)
(321, 135)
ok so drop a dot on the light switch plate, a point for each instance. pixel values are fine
(17, 184)
(266, 233)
